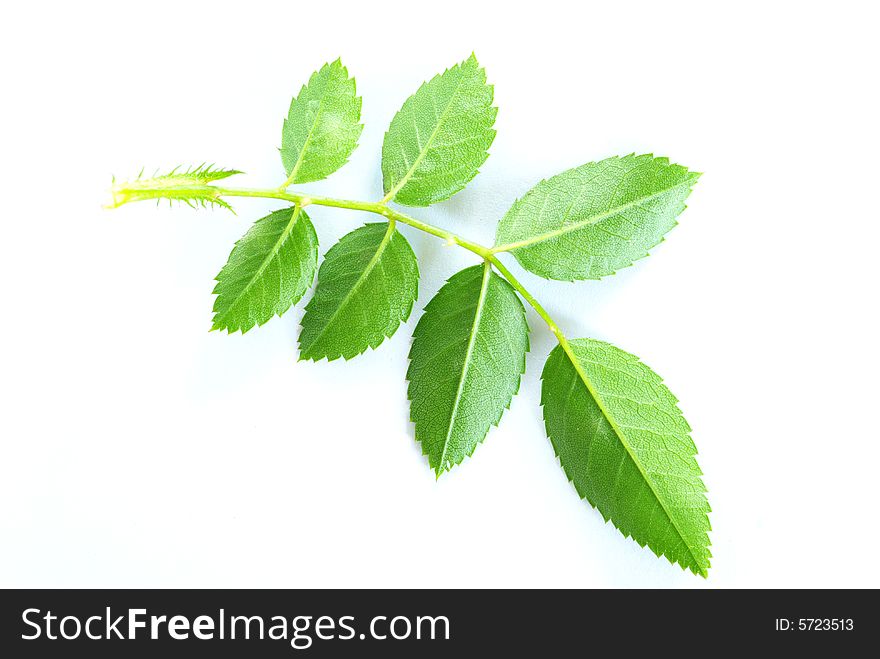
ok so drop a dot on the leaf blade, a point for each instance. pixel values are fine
(625, 446)
(269, 270)
(322, 127)
(439, 139)
(590, 221)
(467, 356)
(367, 285)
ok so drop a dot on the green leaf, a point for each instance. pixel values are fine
(322, 127)
(623, 442)
(366, 287)
(468, 353)
(440, 137)
(590, 221)
(269, 269)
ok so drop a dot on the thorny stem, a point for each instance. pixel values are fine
(302, 199)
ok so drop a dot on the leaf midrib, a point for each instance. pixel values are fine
(566, 347)
(270, 256)
(386, 240)
(593, 219)
(481, 300)
(424, 152)
(302, 154)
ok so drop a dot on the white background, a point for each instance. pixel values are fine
(138, 449)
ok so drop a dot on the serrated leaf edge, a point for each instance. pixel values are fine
(216, 322)
(291, 178)
(386, 240)
(441, 469)
(513, 247)
(391, 194)
(701, 571)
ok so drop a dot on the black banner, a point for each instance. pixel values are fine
(407, 623)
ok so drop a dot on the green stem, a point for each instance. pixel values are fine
(528, 297)
(302, 200)
(377, 207)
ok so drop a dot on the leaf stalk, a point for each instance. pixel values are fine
(162, 188)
